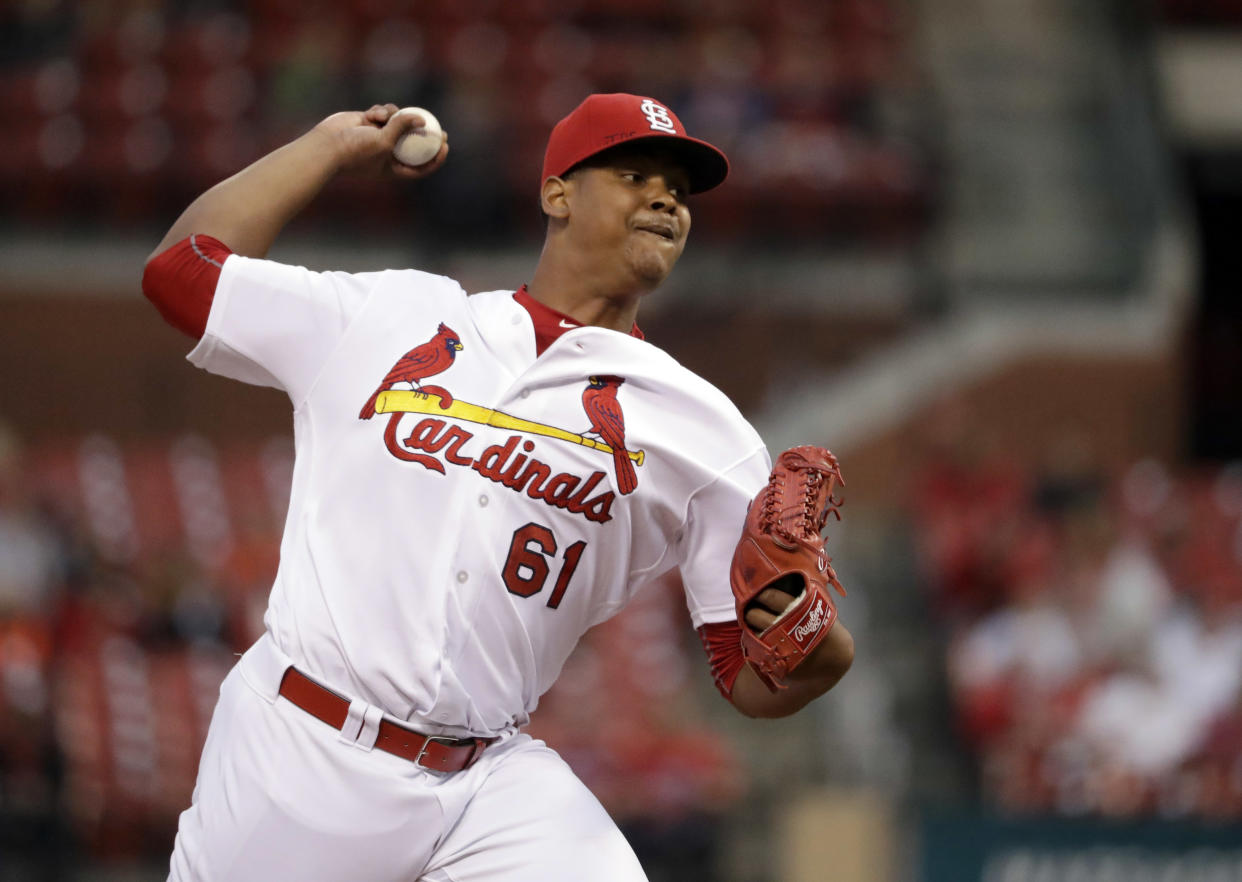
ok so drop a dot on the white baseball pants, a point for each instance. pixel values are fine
(281, 795)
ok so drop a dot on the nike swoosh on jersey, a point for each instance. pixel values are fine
(569, 324)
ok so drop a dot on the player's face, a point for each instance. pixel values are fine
(630, 213)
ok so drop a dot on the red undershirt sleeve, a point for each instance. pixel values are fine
(723, 643)
(181, 281)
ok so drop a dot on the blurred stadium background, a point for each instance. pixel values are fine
(985, 250)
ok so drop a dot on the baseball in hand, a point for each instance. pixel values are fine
(419, 145)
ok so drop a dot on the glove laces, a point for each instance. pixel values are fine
(804, 514)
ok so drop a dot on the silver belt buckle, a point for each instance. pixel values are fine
(439, 739)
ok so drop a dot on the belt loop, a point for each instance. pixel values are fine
(354, 719)
(369, 732)
(361, 727)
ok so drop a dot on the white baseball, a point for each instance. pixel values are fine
(421, 144)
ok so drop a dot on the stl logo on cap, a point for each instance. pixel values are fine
(603, 121)
(658, 116)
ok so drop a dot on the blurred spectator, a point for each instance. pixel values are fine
(968, 506)
(30, 564)
(123, 111)
(31, 578)
(1095, 622)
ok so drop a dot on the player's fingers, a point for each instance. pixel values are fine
(438, 160)
(413, 120)
(379, 114)
(398, 124)
(758, 619)
(408, 172)
(773, 600)
(401, 170)
(767, 605)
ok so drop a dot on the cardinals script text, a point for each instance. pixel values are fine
(502, 463)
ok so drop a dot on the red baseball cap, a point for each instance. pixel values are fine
(604, 121)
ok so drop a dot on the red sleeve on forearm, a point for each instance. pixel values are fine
(723, 643)
(181, 281)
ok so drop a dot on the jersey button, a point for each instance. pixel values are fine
(483, 501)
(462, 576)
(525, 393)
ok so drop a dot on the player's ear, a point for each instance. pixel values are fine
(554, 197)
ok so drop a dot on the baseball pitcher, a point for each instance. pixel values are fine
(478, 480)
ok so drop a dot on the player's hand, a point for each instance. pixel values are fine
(766, 607)
(363, 141)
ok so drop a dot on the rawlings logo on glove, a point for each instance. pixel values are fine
(782, 547)
(812, 625)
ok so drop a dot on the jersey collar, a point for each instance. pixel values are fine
(551, 323)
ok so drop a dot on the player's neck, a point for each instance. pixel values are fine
(587, 298)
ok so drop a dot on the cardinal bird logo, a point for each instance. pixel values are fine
(599, 400)
(421, 362)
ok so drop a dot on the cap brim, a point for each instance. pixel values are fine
(706, 165)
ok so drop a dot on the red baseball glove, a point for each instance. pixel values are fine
(781, 547)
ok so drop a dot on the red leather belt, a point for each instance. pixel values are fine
(431, 751)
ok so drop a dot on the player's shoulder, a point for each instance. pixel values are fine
(409, 282)
(676, 396)
(397, 282)
(654, 365)
(395, 293)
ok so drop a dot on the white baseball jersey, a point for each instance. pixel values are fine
(462, 510)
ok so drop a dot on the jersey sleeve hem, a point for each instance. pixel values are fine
(212, 347)
(714, 615)
(201, 354)
(713, 601)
